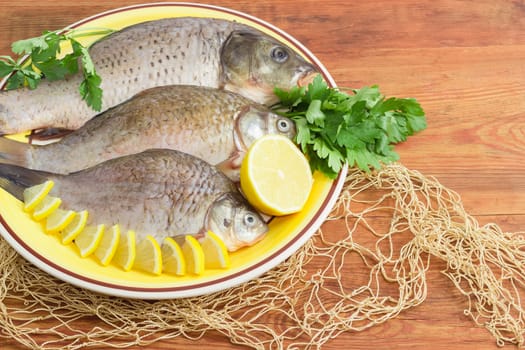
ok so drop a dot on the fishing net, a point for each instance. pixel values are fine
(413, 219)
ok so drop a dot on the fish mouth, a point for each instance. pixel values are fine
(261, 236)
(225, 225)
(307, 77)
(236, 244)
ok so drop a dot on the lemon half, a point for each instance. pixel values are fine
(275, 176)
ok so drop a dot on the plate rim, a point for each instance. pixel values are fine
(215, 284)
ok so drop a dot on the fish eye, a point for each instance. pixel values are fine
(249, 219)
(283, 125)
(279, 54)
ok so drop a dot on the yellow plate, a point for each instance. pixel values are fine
(286, 235)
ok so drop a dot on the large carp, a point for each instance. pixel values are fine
(196, 51)
(158, 192)
(215, 125)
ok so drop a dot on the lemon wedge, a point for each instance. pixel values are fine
(59, 219)
(71, 231)
(46, 207)
(88, 239)
(172, 258)
(194, 255)
(35, 194)
(216, 254)
(275, 176)
(149, 256)
(108, 245)
(126, 250)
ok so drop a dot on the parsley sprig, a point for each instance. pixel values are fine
(39, 57)
(334, 127)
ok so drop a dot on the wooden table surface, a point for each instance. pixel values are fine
(465, 63)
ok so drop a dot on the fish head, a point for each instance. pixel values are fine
(253, 122)
(235, 221)
(253, 64)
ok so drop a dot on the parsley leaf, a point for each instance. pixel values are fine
(360, 129)
(7, 65)
(41, 57)
(314, 115)
(91, 92)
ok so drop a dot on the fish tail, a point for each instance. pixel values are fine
(15, 179)
(14, 152)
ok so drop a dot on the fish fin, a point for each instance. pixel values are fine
(13, 152)
(147, 91)
(12, 188)
(15, 179)
(201, 234)
(179, 239)
(230, 167)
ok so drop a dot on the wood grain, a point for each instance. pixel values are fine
(463, 60)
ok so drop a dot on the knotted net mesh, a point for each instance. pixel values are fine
(412, 218)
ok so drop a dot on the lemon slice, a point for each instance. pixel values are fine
(194, 255)
(88, 240)
(59, 219)
(46, 207)
(108, 245)
(275, 176)
(126, 251)
(71, 231)
(149, 256)
(216, 254)
(35, 194)
(172, 258)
